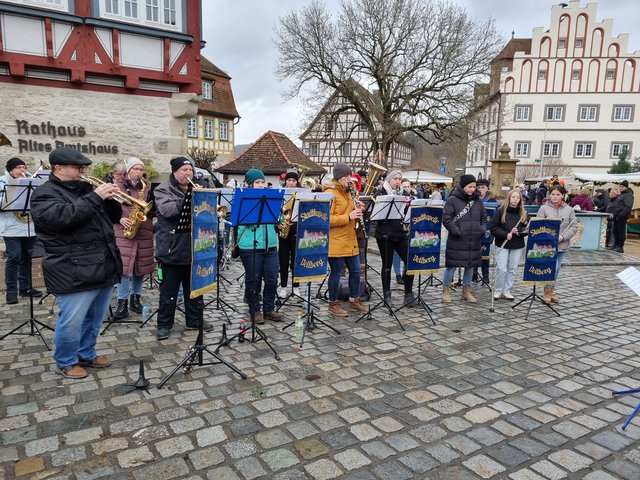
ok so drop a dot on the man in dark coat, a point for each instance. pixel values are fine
(81, 261)
(173, 250)
(623, 212)
(600, 200)
(542, 192)
(465, 218)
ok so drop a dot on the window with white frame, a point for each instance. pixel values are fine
(523, 113)
(330, 126)
(224, 131)
(51, 4)
(554, 113)
(522, 149)
(619, 148)
(579, 42)
(562, 43)
(206, 90)
(208, 129)
(575, 74)
(542, 74)
(192, 127)
(313, 149)
(155, 13)
(551, 149)
(588, 113)
(622, 113)
(584, 150)
(610, 73)
(345, 150)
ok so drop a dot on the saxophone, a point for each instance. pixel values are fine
(138, 213)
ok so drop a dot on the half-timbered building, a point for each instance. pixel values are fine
(112, 78)
(338, 134)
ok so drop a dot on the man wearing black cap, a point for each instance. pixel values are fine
(624, 207)
(482, 185)
(173, 251)
(81, 261)
(19, 237)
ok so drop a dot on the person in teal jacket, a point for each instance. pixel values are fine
(258, 245)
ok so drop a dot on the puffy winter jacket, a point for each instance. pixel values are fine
(76, 228)
(500, 230)
(342, 232)
(569, 225)
(172, 248)
(465, 233)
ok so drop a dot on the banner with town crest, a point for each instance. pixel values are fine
(312, 249)
(425, 226)
(204, 241)
(540, 264)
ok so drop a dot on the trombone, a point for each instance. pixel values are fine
(120, 196)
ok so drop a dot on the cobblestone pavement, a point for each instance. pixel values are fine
(478, 395)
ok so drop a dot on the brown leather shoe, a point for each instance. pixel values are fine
(358, 305)
(336, 310)
(274, 316)
(74, 371)
(259, 319)
(101, 361)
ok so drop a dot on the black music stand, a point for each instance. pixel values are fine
(532, 297)
(390, 209)
(20, 205)
(111, 321)
(256, 207)
(195, 354)
(291, 294)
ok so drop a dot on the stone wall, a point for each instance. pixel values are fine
(108, 126)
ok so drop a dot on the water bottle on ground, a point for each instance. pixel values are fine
(299, 326)
(145, 312)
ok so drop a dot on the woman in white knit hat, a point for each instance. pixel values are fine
(137, 252)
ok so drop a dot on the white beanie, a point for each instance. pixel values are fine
(132, 162)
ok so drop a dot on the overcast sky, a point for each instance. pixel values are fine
(239, 35)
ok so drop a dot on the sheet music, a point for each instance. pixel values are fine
(388, 207)
(225, 197)
(15, 194)
(631, 278)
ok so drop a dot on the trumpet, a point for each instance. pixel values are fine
(121, 197)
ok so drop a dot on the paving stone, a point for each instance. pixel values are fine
(626, 470)
(401, 442)
(323, 469)
(273, 438)
(378, 449)
(205, 458)
(310, 448)
(612, 440)
(483, 466)
(392, 470)
(509, 456)
(174, 468)
(339, 440)
(240, 448)
(250, 468)
(351, 459)
(418, 462)
(570, 460)
(279, 458)
(222, 473)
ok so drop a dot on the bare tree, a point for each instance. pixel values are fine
(549, 167)
(202, 157)
(421, 57)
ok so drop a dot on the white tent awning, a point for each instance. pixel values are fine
(608, 177)
(423, 176)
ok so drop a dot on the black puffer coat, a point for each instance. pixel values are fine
(465, 234)
(76, 228)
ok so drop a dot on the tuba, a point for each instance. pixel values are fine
(373, 174)
(138, 213)
(309, 183)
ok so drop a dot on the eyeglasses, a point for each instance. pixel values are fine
(79, 167)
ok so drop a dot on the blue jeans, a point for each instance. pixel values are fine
(466, 277)
(506, 267)
(261, 266)
(559, 259)
(353, 265)
(136, 286)
(80, 315)
(17, 269)
(396, 263)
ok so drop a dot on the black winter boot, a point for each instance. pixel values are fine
(135, 304)
(122, 311)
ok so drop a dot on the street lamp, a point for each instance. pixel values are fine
(443, 164)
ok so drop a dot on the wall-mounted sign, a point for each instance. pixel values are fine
(60, 136)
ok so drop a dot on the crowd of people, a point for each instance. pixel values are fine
(93, 241)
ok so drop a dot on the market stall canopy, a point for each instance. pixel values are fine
(602, 178)
(424, 176)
